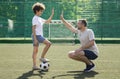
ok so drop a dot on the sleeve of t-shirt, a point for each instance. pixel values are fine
(42, 20)
(34, 22)
(91, 35)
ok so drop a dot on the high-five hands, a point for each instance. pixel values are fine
(52, 11)
(61, 16)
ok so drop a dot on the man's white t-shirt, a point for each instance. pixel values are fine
(38, 21)
(85, 37)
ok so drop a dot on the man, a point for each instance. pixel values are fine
(88, 50)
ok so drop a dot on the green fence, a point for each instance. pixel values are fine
(103, 17)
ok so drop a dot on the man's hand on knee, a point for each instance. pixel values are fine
(79, 52)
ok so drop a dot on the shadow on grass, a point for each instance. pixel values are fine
(78, 74)
(31, 73)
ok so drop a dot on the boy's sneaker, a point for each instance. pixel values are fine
(35, 68)
(89, 68)
(44, 60)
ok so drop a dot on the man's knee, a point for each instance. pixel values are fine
(71, 54)
(81, 53)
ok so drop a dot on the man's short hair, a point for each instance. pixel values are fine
(84, 22)
(37, 7)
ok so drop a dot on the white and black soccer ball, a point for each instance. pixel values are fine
(44, 66)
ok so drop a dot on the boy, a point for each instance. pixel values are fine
(37, 33)
(88, 50)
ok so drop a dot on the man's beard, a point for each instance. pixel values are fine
(79, 28)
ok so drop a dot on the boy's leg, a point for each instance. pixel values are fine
(47, 46)
(34, 56)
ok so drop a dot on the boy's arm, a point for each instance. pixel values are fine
(34, 34)
(50, 18)
(68, 25)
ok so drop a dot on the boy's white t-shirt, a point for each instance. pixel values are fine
(85, 37)
(38, 21)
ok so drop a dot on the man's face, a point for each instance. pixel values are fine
(80, 25)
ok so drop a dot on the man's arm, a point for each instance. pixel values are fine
(50, 18)
(68, 25)
(90, 44)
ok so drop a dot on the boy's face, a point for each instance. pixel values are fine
(39, 13)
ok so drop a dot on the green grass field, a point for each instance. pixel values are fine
(16, 63)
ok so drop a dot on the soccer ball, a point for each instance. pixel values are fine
(44, 66)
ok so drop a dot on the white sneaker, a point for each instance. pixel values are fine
(44, 60)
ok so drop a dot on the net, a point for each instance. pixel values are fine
(102, 15)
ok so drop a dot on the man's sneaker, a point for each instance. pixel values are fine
(89, 68)
(35, 68)
(44, 60)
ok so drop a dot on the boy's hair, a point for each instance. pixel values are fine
(84, 22)
(37, 7)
